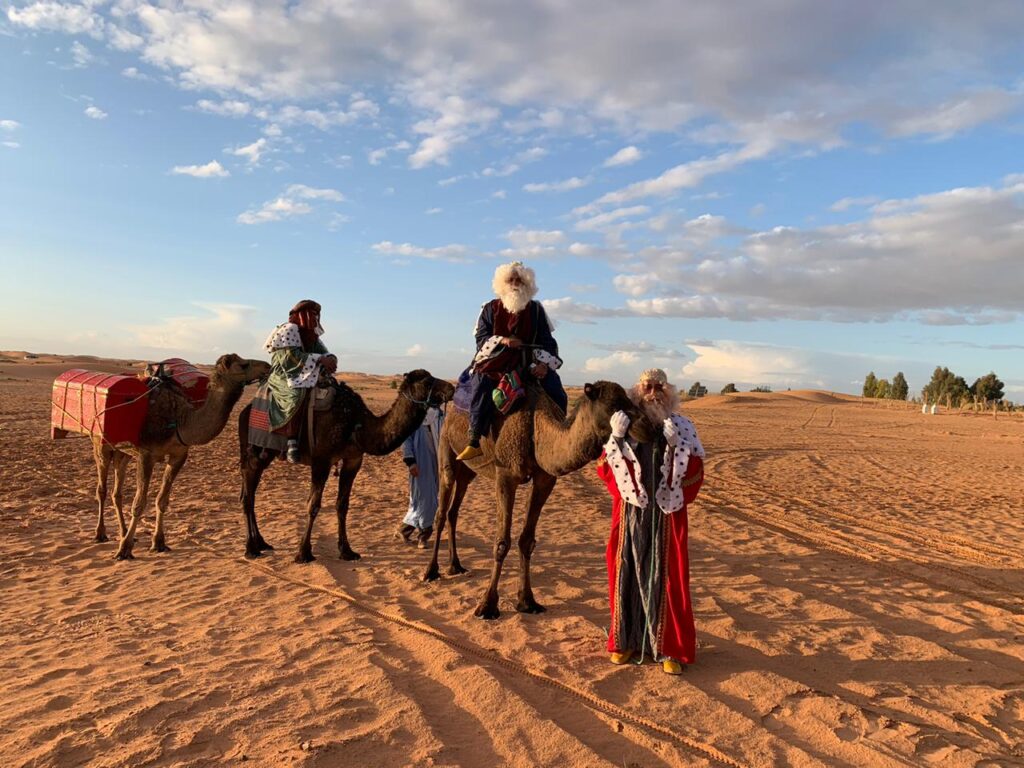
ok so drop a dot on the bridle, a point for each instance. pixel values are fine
(425, 404)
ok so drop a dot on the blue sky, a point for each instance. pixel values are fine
(789, 197)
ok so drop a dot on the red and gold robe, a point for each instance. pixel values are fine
(646, 555)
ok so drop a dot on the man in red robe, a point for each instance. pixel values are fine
(648, 565)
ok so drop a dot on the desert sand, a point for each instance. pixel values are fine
(857, 573)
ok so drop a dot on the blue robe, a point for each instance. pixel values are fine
(420, 448)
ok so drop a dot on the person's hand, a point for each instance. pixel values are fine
(513, 343)
(669, 430)
(539, 370)
(329, 363)
(414, 470)
(620, 423)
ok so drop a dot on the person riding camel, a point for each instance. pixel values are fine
(513, 337)
(297, 356)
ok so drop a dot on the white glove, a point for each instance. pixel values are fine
(620, 423)
(670, 431)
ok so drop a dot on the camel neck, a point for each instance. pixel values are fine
(380, 435)
(562, 447)
(200, 426)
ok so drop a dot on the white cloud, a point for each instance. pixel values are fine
(72, 19)
(221, 328)
(377, 156)
(846, 203)
(251, 152)
(210, 170)
(456, 120)
(433, 211)
(133, 73)
(416, 350)
(81, 56)
(533, 243)
(603, 220)
(94, 112)
(312, 193)
(225, 108)
(750, 365)
(275, 210)
(612, 362)
(625, 156)
(684, 175)
(557, 186)
(9, 125)
(11, 144)
(959, 115)
(636, 285)
(453, 252)
(291, 204)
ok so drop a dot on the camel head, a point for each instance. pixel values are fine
(604, 398)
(421, 388)
(232, 370)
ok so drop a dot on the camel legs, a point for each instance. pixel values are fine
(463, 477)
(120, 466)
(252, 470)
(174, 464)
(505, 492)
(543, 484)
(144, 473)
(321, 470)
(103, 455)
(347, 471)
(449, 496)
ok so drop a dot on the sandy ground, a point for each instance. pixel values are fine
(858, 579)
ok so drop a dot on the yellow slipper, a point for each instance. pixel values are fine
(671, 667)
(469, 452)
(621, 658)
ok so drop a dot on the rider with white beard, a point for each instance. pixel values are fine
(513, 334)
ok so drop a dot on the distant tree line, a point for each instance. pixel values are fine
(945, 388)
(883, 389)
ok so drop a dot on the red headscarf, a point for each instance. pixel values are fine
(306, 315)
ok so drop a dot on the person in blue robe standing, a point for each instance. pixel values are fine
(419, 452)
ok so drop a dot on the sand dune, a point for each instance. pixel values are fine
(857, 575)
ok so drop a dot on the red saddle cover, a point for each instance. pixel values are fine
(193, 382)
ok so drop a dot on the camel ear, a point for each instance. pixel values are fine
(590, 391)
(230, 359)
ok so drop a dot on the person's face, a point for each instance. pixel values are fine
(515, 282)
(652, 390)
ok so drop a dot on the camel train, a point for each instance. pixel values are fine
(534, 443)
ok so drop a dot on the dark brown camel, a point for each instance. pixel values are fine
(172, 426)
(535, 443)
(345, 433)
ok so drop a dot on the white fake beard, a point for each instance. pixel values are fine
(515, 299)
(657, 408)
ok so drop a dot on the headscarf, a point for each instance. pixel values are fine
(306, 315)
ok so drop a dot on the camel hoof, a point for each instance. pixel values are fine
(252, 554)
(127, 555)
(487, 612)
(456, 568)
(101, 536)
(159, 546)
(348, 554)
(432, 574)
(530, 606)
(263, 546)
(304, 557)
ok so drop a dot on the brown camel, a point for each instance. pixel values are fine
(342, 434)
(172, 426)
(535, 443)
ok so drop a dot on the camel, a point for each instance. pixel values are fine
(172, 426)
(344, 434)
(536, 443)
